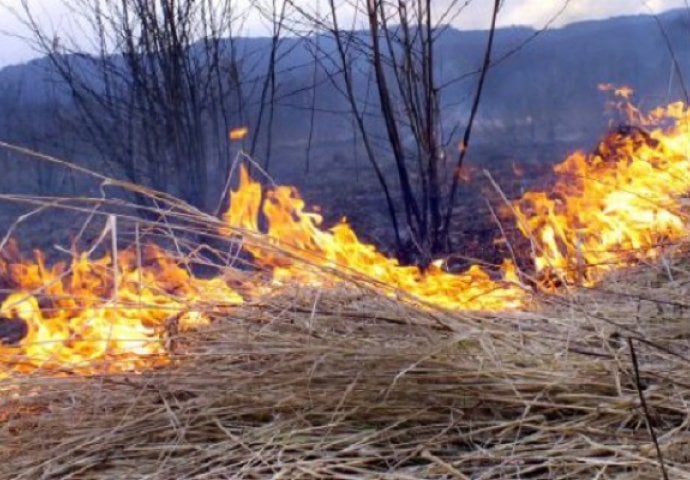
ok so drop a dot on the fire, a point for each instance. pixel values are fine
(238, 133)
(616, 206)
(607, 210)
(622, 91)
(300, 233)
(90, 316)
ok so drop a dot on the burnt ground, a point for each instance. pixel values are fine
(353, 192)
(338, 186)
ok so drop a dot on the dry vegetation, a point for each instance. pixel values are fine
(339, 385)
(347, 383)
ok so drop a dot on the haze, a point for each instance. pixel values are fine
(54, 16)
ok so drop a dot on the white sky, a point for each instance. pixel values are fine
(534, 13)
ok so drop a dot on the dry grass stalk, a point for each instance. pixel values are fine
(274, 391)
(347, 383)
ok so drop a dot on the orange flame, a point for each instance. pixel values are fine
(301, 233)
(238, 133)
(622, 91)
(607, 210)
(92, 317)
(616, 206)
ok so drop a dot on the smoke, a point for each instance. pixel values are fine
(255, 21)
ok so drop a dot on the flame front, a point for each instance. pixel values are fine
(300, 233)
(607, 210)
(90, 316)
(614, 207)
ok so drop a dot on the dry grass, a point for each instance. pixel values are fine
(356, 387)
(345, 383)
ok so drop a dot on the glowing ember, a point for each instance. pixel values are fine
(78, 318)
(617, 206)
(301, 233)
(238, 133)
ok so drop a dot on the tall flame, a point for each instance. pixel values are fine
(614, 207)
(301, 233)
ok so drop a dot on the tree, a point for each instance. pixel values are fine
(166, 83)
(159, 91)
(398, 47)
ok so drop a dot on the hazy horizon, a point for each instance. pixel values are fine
(474, 16)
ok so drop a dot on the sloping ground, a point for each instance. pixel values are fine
(345, 384)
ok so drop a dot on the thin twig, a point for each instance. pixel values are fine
(645, 408)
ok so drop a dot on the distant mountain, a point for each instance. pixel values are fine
(541, 97)
(544, 84)
(541, 100)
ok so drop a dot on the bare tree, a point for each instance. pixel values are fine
(268, 90)
(397, 45)
(159, 90)
(166, 83)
